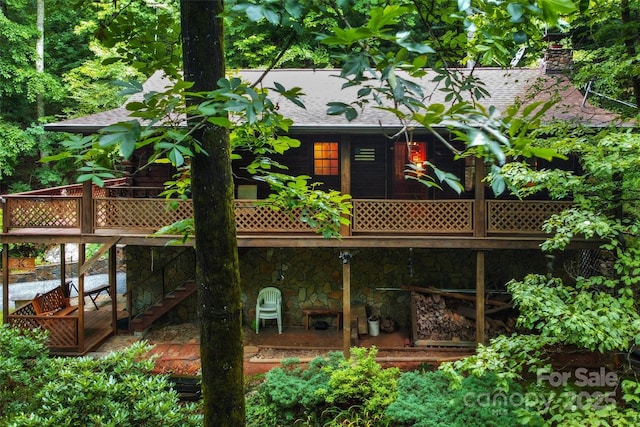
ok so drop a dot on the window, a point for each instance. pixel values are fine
(325, 158)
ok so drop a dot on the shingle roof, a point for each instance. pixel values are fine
(324, 85)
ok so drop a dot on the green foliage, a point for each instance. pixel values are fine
(362, 381)
(325, 211)
(330, 391)
(141, 34)
(575, 407)
(509, 358)
(91, 85)
(333, 391)
(591, 312)
(15, 144)
(583, 316)
(426, 399)
(21, 363)
(604, 39)
(115, 390)
(291, 391)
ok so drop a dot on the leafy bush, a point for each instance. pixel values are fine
(56, 391)
(290, 391)
(331, 391)
(426, 399)
(571, 406)
(363, 382)
(334, 391)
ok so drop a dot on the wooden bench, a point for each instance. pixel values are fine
(52, 303)
(50, 311)
(310, 312)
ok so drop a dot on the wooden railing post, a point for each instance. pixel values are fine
(479, 206)
(86, 214)
(480, 291)
(345, 176)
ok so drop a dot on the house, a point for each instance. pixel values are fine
(405, 240)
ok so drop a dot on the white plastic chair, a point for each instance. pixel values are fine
(269, 306)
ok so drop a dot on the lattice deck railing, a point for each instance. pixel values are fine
(63, 330)
(452, 217)
(520, 217)
(138, 214)
(413, 217)
(42, 212)
(251, 218)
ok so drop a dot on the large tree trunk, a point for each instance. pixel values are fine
(217, 269)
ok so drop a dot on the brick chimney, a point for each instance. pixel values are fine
(557, 60)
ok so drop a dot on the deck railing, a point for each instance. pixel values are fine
(369, 217)
(413, 217)
(520, 217)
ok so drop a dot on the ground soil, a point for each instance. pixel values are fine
(177, 349)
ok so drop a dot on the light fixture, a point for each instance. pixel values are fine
(345, 257)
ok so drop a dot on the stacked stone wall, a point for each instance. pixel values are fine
(312, 277)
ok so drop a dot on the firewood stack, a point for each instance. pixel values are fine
(436, 321)
(439, 318)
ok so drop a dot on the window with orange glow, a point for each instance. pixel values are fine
(325, 158)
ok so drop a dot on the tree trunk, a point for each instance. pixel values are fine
(217, 268)
(40, 66)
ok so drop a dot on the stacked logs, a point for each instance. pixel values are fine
(441, 318)
(436, 321)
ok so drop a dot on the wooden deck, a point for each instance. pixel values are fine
(97, 329)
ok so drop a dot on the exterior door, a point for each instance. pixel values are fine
(369, 168)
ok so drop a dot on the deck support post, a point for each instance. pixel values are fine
(81, 259)
(479, 208)
(345, 176)
(346, 305)
(113, 263)
(5, 283)
(480, 290)
(63, 265)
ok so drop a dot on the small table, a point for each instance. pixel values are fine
(93, 293)
(309, 312)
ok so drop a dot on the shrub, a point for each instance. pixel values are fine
(56, 391)
(290, 391)
(426, 399)
(361, 381)
(331, 391)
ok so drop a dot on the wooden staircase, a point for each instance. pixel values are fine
(146, 319)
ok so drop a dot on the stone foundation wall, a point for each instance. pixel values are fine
(313, 277)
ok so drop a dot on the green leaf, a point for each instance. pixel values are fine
(271, 15)
(520, 37)
(516, 12)
(464, 5)
(337, 108)
(254, 13)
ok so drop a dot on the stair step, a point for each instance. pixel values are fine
(169, 301)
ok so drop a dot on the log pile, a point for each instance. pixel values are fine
(435, 321)
(443, 318)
